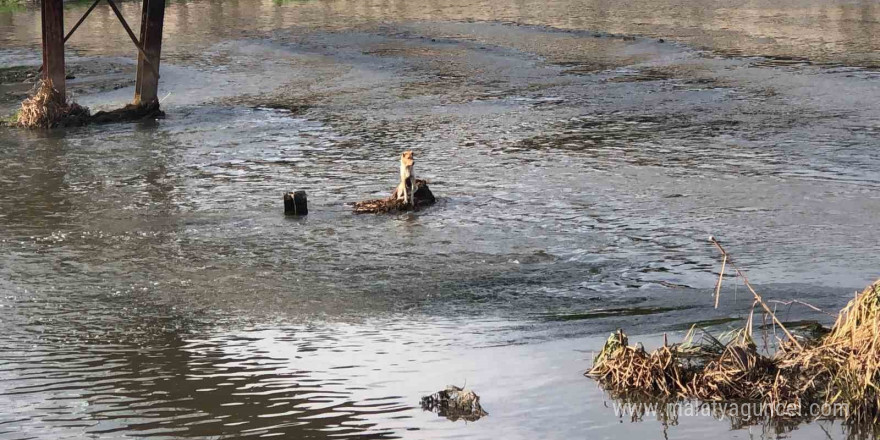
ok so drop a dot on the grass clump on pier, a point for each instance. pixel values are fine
(838, 372)
(49, 108)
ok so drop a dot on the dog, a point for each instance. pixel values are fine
(407, 188)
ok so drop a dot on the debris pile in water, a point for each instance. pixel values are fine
(423, 197)
(129, 113)
(455, 403)
(49, 108)
(837, 372)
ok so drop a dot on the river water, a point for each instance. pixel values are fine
(151, 286)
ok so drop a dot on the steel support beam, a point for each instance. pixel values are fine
(53, 43)
(152, 20)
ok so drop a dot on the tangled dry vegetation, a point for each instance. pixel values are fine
(838, 372)
(49, 108)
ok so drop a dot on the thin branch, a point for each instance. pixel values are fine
(754, 293)
(806, 304)
(720, 278)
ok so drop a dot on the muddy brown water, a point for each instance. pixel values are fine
(150, 285)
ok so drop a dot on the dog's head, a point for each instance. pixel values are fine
(406, 158)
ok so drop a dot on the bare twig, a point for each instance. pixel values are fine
(720, 278)
(805, 304)
(754, 293)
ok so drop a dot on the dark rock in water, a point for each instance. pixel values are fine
(423, 197)
(455, 403)
(296, 203)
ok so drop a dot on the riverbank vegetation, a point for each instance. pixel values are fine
(837, 371)
(11, 5)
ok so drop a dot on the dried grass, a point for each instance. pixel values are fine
(724, 368)
(627, 369)
(839, 370)
(843, 367)
(49, 108)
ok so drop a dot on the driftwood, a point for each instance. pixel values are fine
(455, 403)
(422, 197)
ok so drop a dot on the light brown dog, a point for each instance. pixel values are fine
(407, 187)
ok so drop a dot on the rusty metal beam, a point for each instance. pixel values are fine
(53, 43)
(134, 39)
(149, 47)
(152, 21)
(76, 26)
(81, 20)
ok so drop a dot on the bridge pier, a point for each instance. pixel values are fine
(149, 45)
(53, 43)
(147, 85)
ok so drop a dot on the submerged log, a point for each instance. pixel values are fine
(296, 203)
(422, 197)
(455, 403)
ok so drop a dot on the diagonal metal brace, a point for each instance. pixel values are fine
(133, 38)
(81, 20)
(76, 26)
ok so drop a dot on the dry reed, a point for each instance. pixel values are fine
(843, 367)
(49, 108)
(838, 370)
